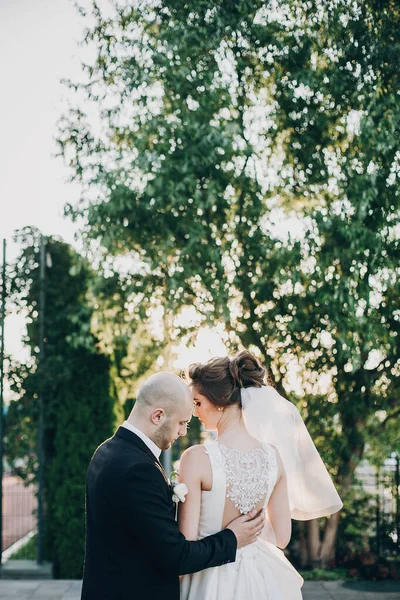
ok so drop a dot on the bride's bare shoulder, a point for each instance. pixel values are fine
(195, 460)
(194, 454)
(195, 469)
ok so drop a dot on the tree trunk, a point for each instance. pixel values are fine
(303, 547)
(321, 553)
(314, 543)
(327, 553)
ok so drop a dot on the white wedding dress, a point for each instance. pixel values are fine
(261, 570)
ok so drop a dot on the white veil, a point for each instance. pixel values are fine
(270, 418)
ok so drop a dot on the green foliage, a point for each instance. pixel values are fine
(28, 551)
(357, 524)
(350, 296)
(222, 124)
(324, 574)
(75, 382)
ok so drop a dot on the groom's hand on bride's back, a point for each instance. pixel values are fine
(248, 527)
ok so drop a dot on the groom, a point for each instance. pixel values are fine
(134, 549)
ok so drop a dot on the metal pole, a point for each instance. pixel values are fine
(167, 461)
(2, 318)
(397, 489)
(378, 515)
(42, 299)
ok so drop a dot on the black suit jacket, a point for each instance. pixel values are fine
(134, 549)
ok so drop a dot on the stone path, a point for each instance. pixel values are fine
(326, 590)
(361, 590)
(11, 589)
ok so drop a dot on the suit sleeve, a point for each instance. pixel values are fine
(150, 518)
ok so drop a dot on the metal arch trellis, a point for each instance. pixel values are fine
(383, 484)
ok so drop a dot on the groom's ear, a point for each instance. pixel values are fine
(158, 416)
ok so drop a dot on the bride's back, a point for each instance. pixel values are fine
(238, 476)
(250, 474)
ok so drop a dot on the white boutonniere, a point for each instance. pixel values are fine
(179, 490)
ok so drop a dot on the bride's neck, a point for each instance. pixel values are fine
(231, 423)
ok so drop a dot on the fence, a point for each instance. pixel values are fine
(384, 486)
(19, 510)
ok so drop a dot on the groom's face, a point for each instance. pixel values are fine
(174, 426)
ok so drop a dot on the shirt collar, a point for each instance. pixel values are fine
(149, 443)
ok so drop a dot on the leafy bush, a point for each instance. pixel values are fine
(74, 381)
(324, 574)
(28, 551)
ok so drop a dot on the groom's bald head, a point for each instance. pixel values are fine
(164, 390)
(163, 409)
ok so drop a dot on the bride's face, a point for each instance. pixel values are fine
(206, 411)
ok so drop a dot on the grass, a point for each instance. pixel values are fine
(324, 574)
(27, 552)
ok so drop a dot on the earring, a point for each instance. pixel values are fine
(219, 408)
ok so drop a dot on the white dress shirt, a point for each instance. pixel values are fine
(149, 443)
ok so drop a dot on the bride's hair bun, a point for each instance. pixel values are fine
(221, 378)
(246, 370)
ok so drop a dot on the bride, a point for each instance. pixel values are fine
(263, 457)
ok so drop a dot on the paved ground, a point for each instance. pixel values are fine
(332, 590)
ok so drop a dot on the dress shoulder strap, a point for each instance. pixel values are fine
(214, 453)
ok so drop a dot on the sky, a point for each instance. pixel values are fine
(39, 46)
(38, 43)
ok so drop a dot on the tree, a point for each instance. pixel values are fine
(77, 394)
(341, 117)
(219, 120)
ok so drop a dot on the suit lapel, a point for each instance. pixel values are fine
(159, 465)
(134, 439)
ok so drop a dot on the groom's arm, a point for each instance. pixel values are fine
(150, 518)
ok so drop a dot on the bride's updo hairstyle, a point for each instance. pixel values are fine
(220, 379)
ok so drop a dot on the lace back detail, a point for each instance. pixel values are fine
(250, 476)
